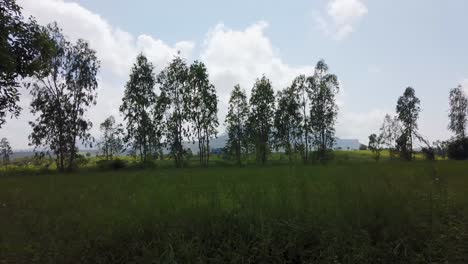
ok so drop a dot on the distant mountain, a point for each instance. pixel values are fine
(347, 144)
(217, 143)
(220, 142)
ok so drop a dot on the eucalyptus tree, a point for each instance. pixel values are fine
(5, 151)
(112, 141)
(137, 107)
(458, 112)
(236, 123)
(174, 84)
(202, 108)
(408, 108)
(61, 95)
(287, 121)
(301, 89)
(324, 87)
(390, 131)
(262, 109)
(24, 51)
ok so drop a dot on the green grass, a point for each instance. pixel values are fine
(349, 211)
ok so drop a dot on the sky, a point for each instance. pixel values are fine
(376, 48)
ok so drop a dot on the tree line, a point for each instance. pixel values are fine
(299, 120)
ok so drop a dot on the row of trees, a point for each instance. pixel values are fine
(186, 108)
(299, 119)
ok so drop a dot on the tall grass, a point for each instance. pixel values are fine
(347, 212)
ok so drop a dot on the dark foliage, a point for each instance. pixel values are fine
(458, 149)
(114, 164)
(24, 51)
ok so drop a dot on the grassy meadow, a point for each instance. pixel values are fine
(352, 210)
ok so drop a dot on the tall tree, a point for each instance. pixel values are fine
(202, 109)
(262, 104)
(301, 87)
(173, 81)
(24, 51)
(323, 111)
(408, 108)
(287, 120)
(236, 123)
(137, 106)
(458, 111)
(112, 142)
(390, 131)
(61, 97)
(5, 151)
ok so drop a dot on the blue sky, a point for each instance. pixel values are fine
(377, 48)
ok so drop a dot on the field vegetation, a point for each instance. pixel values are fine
(352, 210)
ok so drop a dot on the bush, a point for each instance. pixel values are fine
(111, 164)
(458, 149)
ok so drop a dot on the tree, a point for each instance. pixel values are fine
(302, 89)
(202, 109)
(24, 49)
(173, 81)
(137, 107)
(408, 108)
(287, 121)
(262, 104)
(61, 97)
(323, 111)
(458, 111)
(5, 151)
(375, 145)
(390, 131)
(112, 142)
(236, 123)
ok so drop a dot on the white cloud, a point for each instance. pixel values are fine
(241, 56)
(115, 48)
(341, 17)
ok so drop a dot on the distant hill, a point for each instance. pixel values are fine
(347, 144)
(217, 143)
(220, 142)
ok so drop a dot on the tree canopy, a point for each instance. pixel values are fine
(25, 49)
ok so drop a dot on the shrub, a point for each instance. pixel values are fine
(111, 164)
(458, 149)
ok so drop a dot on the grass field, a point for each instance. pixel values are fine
(350, 211)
